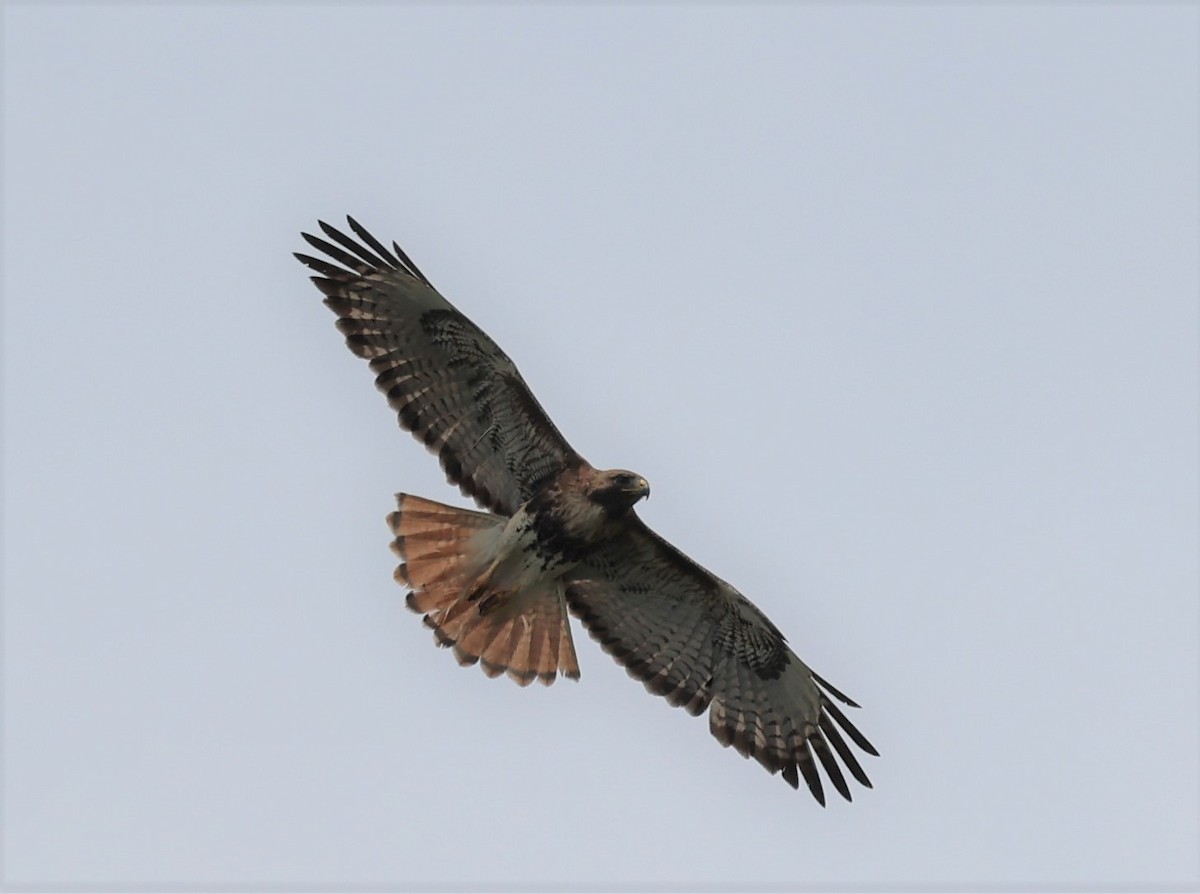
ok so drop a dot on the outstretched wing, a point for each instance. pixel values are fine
(451, 385)
(694, 639)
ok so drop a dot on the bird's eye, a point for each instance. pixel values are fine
(624, 480)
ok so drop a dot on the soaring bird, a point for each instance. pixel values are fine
(559, 536)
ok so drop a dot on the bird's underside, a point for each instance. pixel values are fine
(560, 537)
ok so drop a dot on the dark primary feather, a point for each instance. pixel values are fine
(695, 640)
(450, 384)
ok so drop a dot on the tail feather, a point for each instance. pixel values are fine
(444, 551)
(520, 642)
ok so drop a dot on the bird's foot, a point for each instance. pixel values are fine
(491, 602)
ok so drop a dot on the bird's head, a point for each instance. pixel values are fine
(617, 490)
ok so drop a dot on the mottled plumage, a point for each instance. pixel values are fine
(560, 535)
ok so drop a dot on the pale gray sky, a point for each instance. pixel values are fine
(896, 307)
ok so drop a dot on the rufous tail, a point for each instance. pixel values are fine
(444, 551)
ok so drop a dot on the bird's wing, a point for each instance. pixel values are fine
(451, 385)
(692, 638)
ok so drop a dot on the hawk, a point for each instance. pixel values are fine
(559, 536)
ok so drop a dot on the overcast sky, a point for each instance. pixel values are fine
(895, 307)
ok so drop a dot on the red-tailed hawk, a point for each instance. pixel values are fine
(559, 535)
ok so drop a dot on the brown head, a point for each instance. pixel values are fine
(617, 490)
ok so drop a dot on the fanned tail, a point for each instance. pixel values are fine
(446, 553)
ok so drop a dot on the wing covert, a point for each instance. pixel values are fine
(695, 640)
(450, 384)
